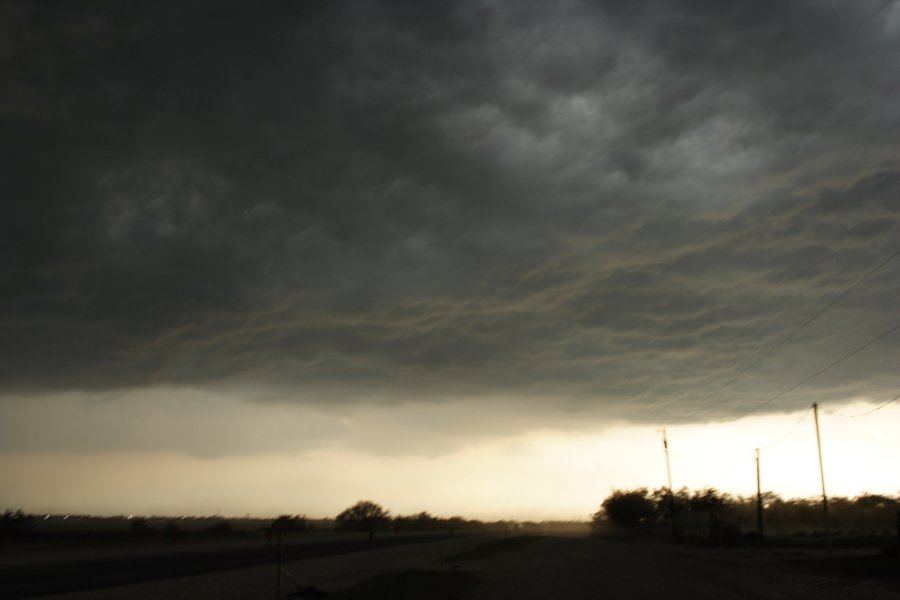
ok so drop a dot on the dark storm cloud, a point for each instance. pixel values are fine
(607, 204)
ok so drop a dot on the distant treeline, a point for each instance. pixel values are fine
(364, 516)
(368, 516)
(866, 514)
(19, 525)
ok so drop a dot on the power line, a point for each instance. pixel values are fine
(868, 412)
(803, 326)
(796, 424)
(737, 463)
(732, 466)
(820, 371)
(789, 431)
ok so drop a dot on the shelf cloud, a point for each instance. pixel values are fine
(540, 210)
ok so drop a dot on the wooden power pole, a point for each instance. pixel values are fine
(665, 442)
(822, 476)
(759, 501)
(668, 466)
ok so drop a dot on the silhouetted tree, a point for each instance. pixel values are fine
(363, 516)
(627, 508)
(292, 523)
(708, 499)
(876, 501)
(866, 513)
(418, 522)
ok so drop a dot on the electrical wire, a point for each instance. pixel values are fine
(733, 466)
(868, 412)
(820, 371)
(789, 431)
(803, 326)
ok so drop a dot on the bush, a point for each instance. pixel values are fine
(627, 508)
(708, 500)
(293, 523)
(418, 522)
(363, 516)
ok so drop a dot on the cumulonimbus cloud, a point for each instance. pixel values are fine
(589, 203)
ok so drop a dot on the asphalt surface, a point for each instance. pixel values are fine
(38, 578)
(576, 568)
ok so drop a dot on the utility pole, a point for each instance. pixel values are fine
(822, 475)
(666, 451)
(759, 502)
(665, 442)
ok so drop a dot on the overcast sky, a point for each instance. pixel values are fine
(474, 219)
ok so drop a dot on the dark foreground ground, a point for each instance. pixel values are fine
(80, 570)
(593, 568)
(529, 567)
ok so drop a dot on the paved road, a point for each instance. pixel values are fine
(38, 578)
(589, 568)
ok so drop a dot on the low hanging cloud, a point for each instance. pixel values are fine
(586, 206)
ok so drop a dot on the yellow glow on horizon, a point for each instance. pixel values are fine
(543, 474)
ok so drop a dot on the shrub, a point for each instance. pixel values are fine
(292, 523)
(363, 516)
(627, 508)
